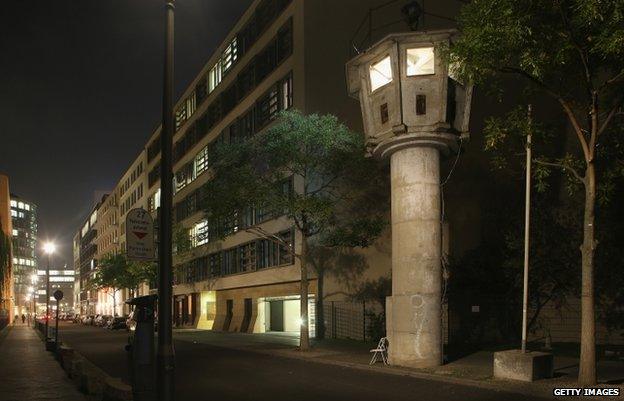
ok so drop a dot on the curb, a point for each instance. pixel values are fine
(92, 381)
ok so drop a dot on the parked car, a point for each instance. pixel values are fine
(107, 321)
(101, 320)
(117, 323)
(87, 319)
(69, 316)
(77, 318)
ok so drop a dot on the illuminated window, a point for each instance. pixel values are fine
(201, 161)
(381, 73)
(13, 203)
(420, 61)
(190, 105)
(20, 205)
(214, 76)
(199, 233)
(26, 206)
(229, 56)
(15, 233)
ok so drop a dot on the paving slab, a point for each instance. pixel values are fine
(29, 372)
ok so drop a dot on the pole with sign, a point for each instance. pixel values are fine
(139, 235)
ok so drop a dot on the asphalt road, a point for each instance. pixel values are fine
(205, 372)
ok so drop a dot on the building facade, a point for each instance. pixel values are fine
(6, 254)
(86, 260)
(24, 235)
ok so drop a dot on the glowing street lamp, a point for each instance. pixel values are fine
(48, 249)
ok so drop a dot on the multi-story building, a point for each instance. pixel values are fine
(24, 233)
(266, 64)
(87, 259)
(60, 279)
(6, 260)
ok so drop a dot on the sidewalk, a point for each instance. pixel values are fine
(29, 372)
(475, 369)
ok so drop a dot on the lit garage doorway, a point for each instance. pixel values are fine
(281, 315)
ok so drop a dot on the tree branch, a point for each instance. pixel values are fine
(566, 106)
(570, 169)
(612, 80)
(611, 114)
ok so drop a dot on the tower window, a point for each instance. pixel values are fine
(420, 61)
(381, 73)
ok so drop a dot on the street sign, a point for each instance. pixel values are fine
(139, 235)
(58, 295)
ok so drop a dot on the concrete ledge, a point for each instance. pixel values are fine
(116, 390)
(65, 356)
(523, 366)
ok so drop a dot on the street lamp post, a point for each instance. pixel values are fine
(49, 249)
(165, 354)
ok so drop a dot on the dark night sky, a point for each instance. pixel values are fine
(81, 93)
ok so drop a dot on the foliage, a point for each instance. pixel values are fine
(330, 174)
(311, 169)
(571, 51)
(116, 271)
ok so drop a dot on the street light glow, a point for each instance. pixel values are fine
(49, 248)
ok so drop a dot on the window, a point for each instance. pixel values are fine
(201, 161)
(214, 76)
(13, 203)
(267, 107)
(420, 61)
(229, 56)
(381, 73)
(199, 234)
(287, 93)
(191, 105)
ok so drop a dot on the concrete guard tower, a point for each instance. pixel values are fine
(414, 110)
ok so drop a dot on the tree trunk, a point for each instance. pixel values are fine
(320, 311)
(304, 339)
(587, 366)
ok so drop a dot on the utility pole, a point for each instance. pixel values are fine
(527, 216)
(165, 354)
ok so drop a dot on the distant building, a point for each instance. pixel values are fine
(24, 235)
(60, 279)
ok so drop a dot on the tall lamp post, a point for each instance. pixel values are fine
(165, 355)
(49, 249)
(33, 280)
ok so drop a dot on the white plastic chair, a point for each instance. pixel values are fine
(380, 351)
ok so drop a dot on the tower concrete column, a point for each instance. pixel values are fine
(414, 318)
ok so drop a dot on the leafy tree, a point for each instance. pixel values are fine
(311, 169)
(116, 272)
(573, 52)
(346, 264)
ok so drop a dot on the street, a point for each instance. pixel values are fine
(209, 372)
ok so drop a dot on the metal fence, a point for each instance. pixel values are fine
(348, 320)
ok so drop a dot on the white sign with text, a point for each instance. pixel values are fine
(139, 235)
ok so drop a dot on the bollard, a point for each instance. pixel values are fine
(142, 349)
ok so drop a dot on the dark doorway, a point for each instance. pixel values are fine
(277, 315)
(228, 315)
(247, 316)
